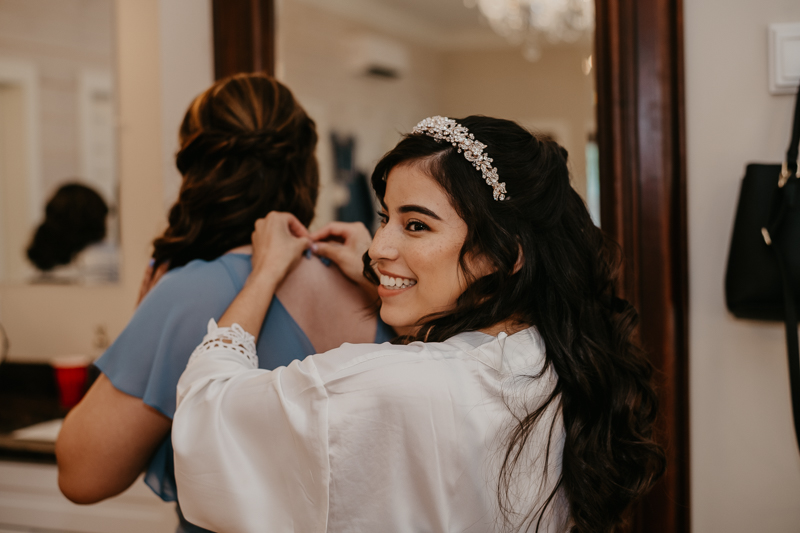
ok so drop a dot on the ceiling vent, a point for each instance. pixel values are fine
(376, 56)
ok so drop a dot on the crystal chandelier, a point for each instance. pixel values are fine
(527, 22)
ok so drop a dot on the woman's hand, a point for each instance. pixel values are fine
(345, 243)
(278, 241)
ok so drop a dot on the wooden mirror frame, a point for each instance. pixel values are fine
(640, 134)
(244, 36)
(641, 141)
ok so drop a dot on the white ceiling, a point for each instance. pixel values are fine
(446, 14)
(443, 24)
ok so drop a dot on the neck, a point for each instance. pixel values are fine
(508, 326)
(244, 249)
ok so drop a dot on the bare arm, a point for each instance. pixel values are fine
(108, 438)
(106, 442)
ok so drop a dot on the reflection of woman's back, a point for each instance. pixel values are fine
(247, 148)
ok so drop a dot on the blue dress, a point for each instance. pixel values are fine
(149, 356)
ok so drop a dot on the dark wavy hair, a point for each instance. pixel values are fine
(75, 217)
(246, 148)
(565, 286)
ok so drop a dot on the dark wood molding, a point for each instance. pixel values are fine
(639, 58)
(244, 36)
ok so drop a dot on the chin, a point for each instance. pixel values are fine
(399, 321)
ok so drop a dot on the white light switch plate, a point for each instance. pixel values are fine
(784, 58)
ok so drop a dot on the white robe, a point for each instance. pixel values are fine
(363, 438)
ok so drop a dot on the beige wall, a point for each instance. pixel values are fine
(313, 60)
(64, 46)
(187, 69)
(61, 39)
(164, 59)
(745, 461)
(551, 95)
(44, 321)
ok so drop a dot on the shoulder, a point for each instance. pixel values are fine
(501, 356)
(198, 271)
(188, 296)
(200, 279)
(370, 360)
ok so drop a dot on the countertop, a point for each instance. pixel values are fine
(28, 396)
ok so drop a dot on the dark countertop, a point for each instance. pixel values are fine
(28, 395)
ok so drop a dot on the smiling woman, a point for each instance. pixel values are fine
(517, 400)
(416, 248)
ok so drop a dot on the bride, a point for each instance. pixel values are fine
(516, 399)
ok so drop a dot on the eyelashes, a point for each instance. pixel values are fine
(413, 226)
(416, 225)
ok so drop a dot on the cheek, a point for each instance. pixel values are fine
(445, 281)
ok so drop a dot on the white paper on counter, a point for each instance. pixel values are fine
(41, 432)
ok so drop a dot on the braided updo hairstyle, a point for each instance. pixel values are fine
(555, 270)
(246, 148)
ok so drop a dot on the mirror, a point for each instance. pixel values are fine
(368, 70)
(58, 142)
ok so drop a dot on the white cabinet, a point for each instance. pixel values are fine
(31, 502)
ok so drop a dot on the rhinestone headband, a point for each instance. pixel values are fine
(447, 129)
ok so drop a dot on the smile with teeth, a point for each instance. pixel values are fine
(396, 283)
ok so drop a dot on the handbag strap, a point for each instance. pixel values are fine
(792, 342)
(791, 154)
(790, 201)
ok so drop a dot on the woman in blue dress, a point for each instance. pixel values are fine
(246, 149)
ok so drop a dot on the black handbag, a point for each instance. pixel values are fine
(762, 281)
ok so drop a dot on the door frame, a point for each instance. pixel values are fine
(244, 47)
(642, 148)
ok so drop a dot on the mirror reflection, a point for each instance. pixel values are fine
(58, 170)
(368, 70)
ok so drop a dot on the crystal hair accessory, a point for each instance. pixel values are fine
(447, 129)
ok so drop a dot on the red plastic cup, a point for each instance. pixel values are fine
(71, 373)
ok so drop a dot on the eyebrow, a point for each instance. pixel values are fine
(418, 209)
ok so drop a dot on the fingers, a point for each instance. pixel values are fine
(280, 237)
(278, 241)
(295, 227)
(333, 251)
(275, 221)
(339, 230)
(279, 232)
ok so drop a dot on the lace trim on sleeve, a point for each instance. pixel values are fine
(233, 339)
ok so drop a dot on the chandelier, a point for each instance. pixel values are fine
(529, 22)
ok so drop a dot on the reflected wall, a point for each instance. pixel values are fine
(46, 320)
(369, 70)
(57, 125)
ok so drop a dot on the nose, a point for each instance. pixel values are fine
(384, 245)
